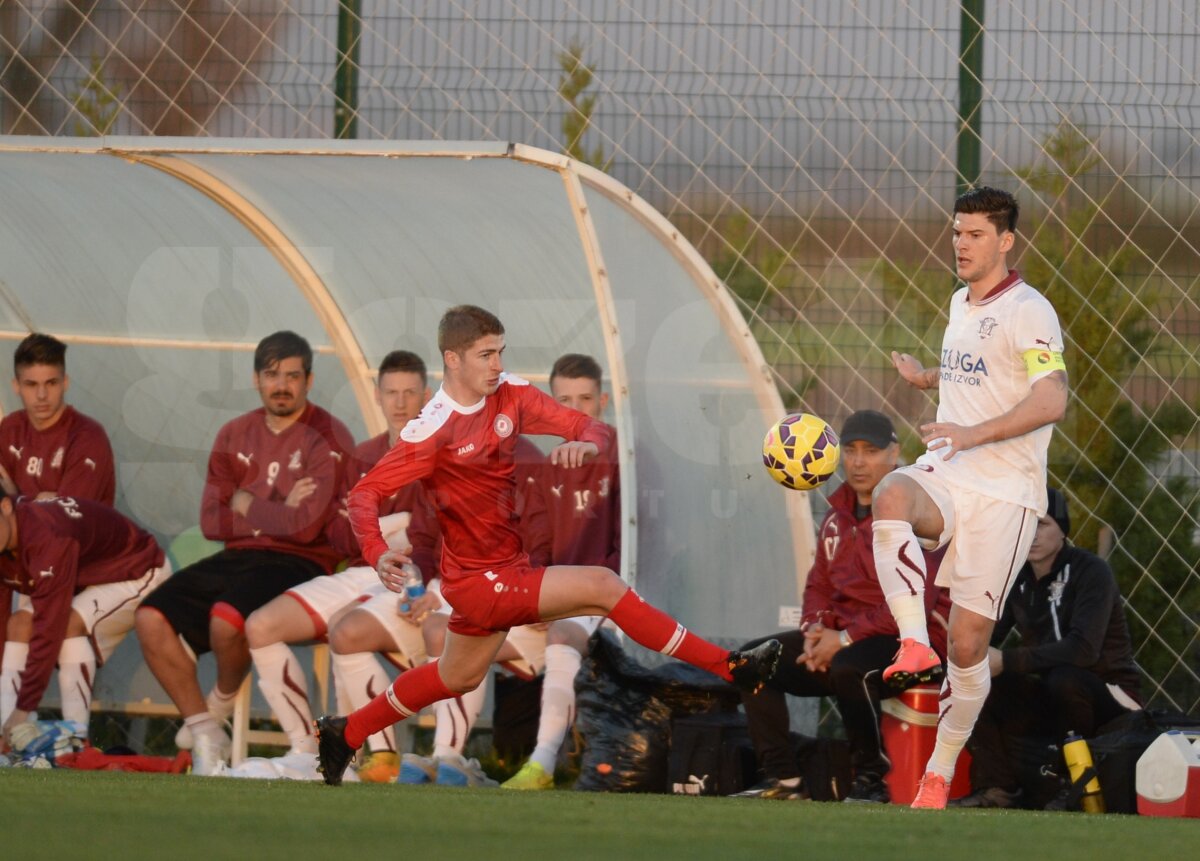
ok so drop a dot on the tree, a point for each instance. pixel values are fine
(96, 103)
(576, 77)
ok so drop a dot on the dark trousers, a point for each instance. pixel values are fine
(853, 680)
(1049, 705)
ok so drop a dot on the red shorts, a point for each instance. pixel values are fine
(494, 600)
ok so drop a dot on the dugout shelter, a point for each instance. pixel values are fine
(163, 261)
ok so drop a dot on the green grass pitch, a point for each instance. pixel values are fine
(60, 814)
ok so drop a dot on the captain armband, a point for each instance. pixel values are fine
(1038, 362)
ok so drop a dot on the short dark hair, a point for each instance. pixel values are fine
(999, 206)
(463, 325)
(274, 348)
(39, 349)
(575, 366)
(403, 360)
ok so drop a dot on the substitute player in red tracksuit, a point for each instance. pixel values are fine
(847, 634)
(85, 569)
(579, 512)
(272, 483)
(49, 449)
(461, 447)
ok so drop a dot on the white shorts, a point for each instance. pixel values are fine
(107, 609)
(321, 597)
(987, 541)
(384, 605)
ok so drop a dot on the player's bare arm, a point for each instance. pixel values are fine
(1045, 404)
(914, 373)
(573, 454)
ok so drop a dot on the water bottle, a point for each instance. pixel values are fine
(1079, 759)
(414, 586)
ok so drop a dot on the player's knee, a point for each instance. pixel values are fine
(567, 633)
(890, 499)
(433, 632)
(609, 588)
(461, 682)
(345, 637)
(75, 626)
(151, 624)
(260, 630)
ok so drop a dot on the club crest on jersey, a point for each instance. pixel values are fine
(56, 463)
(986, 326)
(503, 426)
(294, 463)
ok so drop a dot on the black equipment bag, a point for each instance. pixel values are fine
(710, 754)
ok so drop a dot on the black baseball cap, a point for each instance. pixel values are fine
(1056, 507)
(869, 426)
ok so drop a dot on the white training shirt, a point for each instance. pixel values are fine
(992, 354)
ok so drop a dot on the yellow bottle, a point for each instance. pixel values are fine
(1079, 759)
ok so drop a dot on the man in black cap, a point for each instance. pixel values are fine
(847, 634)
(1073, 669)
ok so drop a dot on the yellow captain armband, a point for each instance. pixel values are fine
(1038, 362)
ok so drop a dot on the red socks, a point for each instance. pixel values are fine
(654, 629)
(406, 696)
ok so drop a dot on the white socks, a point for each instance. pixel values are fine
(220, 705)
(455, 718)
(558, 704)
(285, 688)
(76, 678)
(900, 565)
(10, 676)
(968, 688)
(359, 678)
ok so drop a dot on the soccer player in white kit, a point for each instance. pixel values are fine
(981, 486)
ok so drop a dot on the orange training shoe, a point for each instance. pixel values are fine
(382, 766)
(914, 663)
(932, 792)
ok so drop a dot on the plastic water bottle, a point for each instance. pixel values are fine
(1079, 759)
(414, 586)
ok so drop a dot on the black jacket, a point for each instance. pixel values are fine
(1072, 616)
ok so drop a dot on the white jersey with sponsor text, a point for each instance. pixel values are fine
(984, 374)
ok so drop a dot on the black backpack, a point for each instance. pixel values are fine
(710, 754)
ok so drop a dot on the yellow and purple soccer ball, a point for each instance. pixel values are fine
(801, 451)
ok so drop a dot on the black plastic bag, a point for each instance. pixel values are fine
(624, 713)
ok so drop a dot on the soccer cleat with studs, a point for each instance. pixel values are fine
(752, 668)
(932, 792)
(531, 777)
(333, 753)
(915, 663)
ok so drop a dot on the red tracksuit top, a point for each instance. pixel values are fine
(64, 546)
(842, 591)
(247, 455)
(72, 457)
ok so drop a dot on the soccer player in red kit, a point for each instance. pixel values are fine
(308, 611)
(85, 568)
(50, 449)
(272, 484)
(461, 447)
(580, 509)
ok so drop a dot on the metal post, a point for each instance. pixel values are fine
(349, 32)
(970, 93)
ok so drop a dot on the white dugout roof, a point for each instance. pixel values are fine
(162, 262)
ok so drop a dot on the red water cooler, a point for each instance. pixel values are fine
(1168, 777)
(909, 726)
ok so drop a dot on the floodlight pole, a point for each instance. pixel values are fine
(970, 93)
(349, 34)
